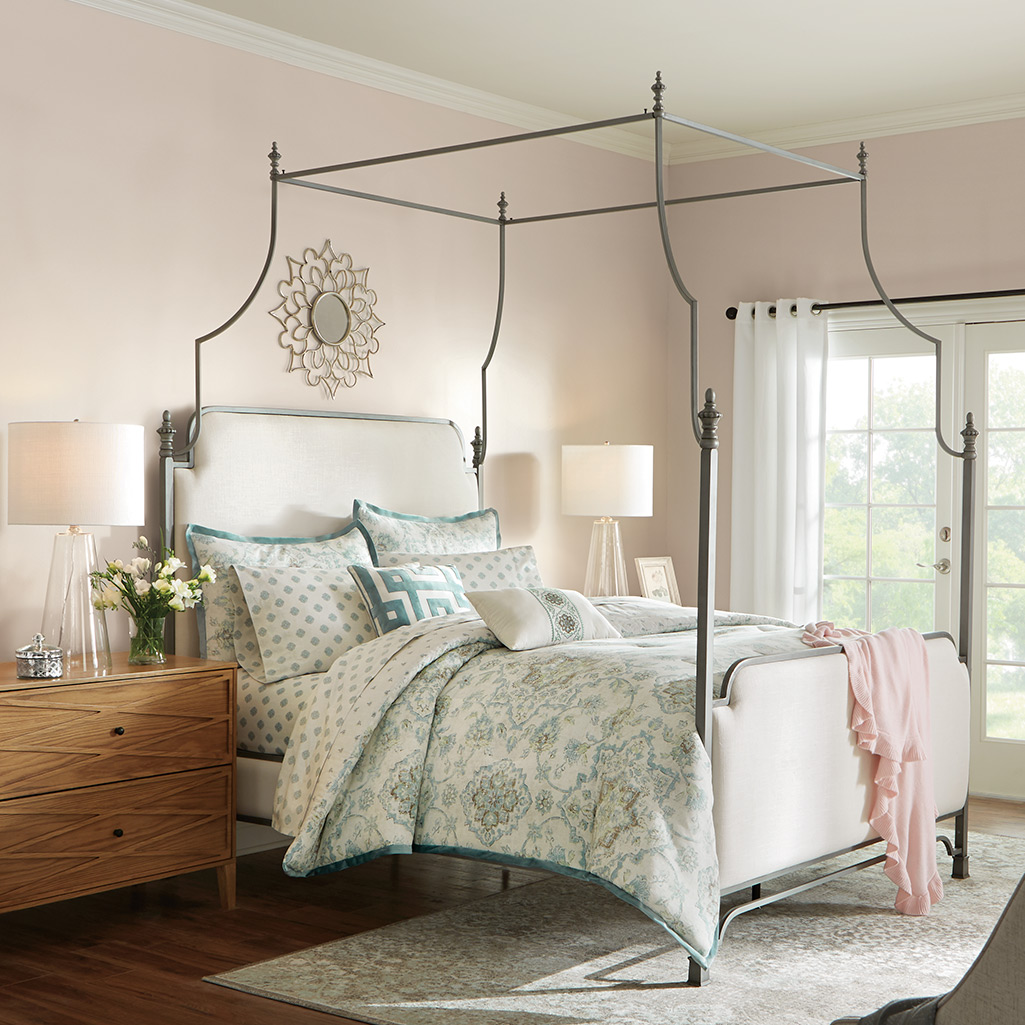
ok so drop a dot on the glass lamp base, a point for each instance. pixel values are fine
(606, 567)
(70, 619)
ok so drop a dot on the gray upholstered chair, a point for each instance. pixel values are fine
(992, 991)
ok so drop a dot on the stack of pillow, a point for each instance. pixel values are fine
(285, 607)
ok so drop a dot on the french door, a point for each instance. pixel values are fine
(995, 387)
(892, 516)
(890, 537)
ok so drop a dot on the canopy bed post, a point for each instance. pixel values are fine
(969, 466)
(705, 427)
(197, 424)
(480, 437)
(709, 441)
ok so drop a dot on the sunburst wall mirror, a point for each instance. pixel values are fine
(327, 319)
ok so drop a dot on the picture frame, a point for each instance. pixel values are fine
(658, 578)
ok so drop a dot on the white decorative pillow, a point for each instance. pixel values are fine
(222, 550)
(479, 571)
(399, 595)
(437, 535)
(299, 620)
(534, 617)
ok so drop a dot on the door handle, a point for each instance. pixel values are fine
(943, 566)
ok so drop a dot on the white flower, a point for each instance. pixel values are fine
(137, 567)
(177, 604)
(169, 568)
(207, 575)
(116, 564)
(142, 587)
(108, 598)
(142, 542)
(162, 585)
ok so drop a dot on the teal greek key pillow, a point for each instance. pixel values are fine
(479, 571)
(400, 595)
(437, 535)
(222, 550)
(299, 620)
(535, 617)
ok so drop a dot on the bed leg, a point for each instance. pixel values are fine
(696, 976)
(756, 891)
(961, 859)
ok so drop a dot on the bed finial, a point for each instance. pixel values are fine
(478, 449)
(970, 433)
(709, 417)
(274, 157)
(502, 207)
(166, 431)
(658, 89)
(863, 160)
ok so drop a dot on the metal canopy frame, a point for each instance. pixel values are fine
(704, 416)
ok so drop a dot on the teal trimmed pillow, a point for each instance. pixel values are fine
(390, 531)
(479, 571)
(299, 620)
(222, 550)
(535, 617)
(400, 595)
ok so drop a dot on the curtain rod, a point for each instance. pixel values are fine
(731, 313)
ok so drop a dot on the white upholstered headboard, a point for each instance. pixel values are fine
(296, 473)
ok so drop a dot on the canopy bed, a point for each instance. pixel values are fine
(771, 736)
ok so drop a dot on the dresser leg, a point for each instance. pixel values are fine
(226, 885)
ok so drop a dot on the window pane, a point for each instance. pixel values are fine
(847, 469)
(902, 604)
(1006, 468)
(904, 392)
(843, 603)
(902, 537)
(847, 395)
(1005, 623)
(1005, 702)
(904, 468)
(1005, 556)
(1007, 389)
(845, 552)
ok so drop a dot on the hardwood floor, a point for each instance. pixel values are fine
(137, 956)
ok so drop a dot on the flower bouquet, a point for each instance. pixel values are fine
(148, 590)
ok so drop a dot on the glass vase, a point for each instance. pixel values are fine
(147, 642)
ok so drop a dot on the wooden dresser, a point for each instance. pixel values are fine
(116, 779)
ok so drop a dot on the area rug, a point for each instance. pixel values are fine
(564, 952)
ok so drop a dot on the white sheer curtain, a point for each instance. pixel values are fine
(778, 410)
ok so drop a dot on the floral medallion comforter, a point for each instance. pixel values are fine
(579, 757)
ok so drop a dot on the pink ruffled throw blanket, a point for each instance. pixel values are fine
(889, 680)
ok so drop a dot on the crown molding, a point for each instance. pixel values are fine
(227, 30)
(875, 126)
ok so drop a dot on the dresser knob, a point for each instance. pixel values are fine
(119, 832)
(119, 730)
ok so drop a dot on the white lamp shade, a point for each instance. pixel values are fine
(607, 480)
(68, 472)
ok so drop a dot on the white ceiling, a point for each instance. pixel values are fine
(791, 73)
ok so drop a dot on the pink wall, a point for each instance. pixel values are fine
(136, 219)
(946, 214)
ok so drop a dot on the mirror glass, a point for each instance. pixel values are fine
(329, 318)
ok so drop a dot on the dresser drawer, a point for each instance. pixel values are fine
(63, 845)
(76, 735)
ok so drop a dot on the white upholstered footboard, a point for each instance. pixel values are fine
(790, 783)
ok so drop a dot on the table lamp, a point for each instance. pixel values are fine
(606, 481)
(68, 472)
